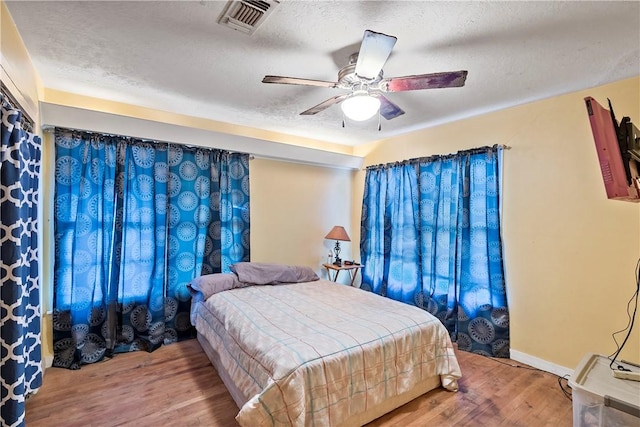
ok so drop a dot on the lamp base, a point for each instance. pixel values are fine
(336, 251)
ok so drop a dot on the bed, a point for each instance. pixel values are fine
(295, 350)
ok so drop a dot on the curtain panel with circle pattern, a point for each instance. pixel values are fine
(135, 221)
(430, 236)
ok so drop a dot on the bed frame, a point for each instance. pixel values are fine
(355, 420)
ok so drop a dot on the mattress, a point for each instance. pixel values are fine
(320, 353)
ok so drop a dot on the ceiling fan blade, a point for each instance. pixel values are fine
(297, 81)
(374, 52)
(425, 81)
(324, 105)
(388, 109)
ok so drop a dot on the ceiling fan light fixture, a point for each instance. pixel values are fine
(363, 78)
(360, 106)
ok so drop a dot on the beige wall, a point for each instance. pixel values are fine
(91, 103)
(19, 75)
(293, 206)
(569, 253)
(16, 69)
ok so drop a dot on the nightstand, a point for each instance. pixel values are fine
(352, 269)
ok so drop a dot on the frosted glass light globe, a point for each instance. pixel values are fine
(360, 106)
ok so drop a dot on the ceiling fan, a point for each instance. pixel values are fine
(363, 78)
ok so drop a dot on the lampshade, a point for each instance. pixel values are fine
(338, 233)
(360, 106)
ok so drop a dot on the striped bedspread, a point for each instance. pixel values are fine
(312, 354)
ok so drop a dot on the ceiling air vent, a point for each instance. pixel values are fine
(246, 15)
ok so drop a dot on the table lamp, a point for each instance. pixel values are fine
(338, 234)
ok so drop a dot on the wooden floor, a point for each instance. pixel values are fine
(177, 386)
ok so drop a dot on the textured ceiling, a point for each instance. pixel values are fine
(174, 56)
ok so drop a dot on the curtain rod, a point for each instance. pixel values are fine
(439, 156)
(51, 129)
(25, 118)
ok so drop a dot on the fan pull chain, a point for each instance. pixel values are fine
(379, 124)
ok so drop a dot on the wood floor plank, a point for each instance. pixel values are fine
(177, 386)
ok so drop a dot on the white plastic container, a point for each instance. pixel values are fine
(599, 399)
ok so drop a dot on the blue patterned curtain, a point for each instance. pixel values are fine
(439, 211)
(228, 235)
(135, 221)
(389, 246)
(374, 247)
(437, 243)
(21, 370)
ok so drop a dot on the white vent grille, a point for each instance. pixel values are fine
(246, 15)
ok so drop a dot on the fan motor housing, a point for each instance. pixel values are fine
(348, 79)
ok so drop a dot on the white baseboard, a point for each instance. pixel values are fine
(541, 364)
